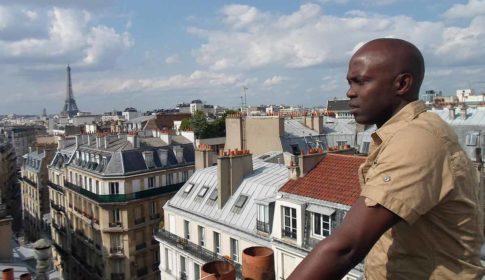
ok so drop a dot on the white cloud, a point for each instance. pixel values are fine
(172, 59)
(275, 80)
(49, 36)
(196, 80)
(471, 9)
(307, 37)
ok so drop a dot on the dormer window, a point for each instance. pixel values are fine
(472, 138)
(322, 225)
(262, 218)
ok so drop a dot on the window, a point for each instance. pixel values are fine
(185, 175)
(183, 266)
(262, 219)
(295, 149)
(321, 225)
(289, 222)
(365, 147)
(116, 215)
(188, 188)
(241, 200)
(90, 184)
(472, 138)
(117, 266)
(341, 142)
(153, 208)
(114, 188)
(170, 179)
(234, 249)
(97, 187)
(156, 257)
(217, 242)
(201, 236)
(168, 260)
(151, 182)
(196, 271)
(116, 243)
(187, 230)
(202, 191)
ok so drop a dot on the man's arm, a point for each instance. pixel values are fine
(334, 256)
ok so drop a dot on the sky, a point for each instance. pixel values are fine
(155, 54)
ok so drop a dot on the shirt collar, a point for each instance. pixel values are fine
(406, 114)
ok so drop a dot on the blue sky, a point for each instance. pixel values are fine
(155, 54)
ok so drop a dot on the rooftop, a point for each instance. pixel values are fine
(334, 179)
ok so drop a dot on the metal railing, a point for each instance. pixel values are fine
(194, 249)
(141, 271)
(57, 207)
(141, 246)
(287, 232)
(262, 226)
(115, 198)
(139, 220)
(55, 187)
(30, 182)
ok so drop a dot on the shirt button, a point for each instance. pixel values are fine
(386, 178)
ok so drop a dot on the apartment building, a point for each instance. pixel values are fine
(107, 193)
(215, 214)
(8, 172)
(35, 193)
(311, 205)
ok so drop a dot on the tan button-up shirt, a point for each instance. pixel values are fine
(417, 170)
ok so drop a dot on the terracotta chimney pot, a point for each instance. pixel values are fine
(25, 276)
(7, 274)
(218, 270)
(258, 263)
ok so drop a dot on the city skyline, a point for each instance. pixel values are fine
(157, 54)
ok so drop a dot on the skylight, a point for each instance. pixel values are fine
(213, 195)
(188, 188)
(203, 191)
(241, 200)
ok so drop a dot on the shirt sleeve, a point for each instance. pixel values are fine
(410, 175)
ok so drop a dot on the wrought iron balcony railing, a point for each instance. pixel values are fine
(262, 226)
(116, 198)
(287, 232)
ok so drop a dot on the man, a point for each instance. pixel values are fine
(418, 216)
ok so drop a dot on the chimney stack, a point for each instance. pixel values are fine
(307, 162)
(133, 139)
(204, 157)
(451, 112)
(317, 123)
(232, 167)
(218, 270)
(463, 112)
(258, 263)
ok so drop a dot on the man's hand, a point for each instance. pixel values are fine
(334, 256)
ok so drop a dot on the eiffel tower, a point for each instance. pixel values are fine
(70, 108)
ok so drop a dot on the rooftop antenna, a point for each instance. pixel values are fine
(245, 99)
(242, 104)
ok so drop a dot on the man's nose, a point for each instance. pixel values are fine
(350, 93)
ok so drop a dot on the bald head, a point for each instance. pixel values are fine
(396, 56)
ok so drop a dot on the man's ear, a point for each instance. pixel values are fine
(403, 83)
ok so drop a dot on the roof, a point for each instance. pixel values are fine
(262, 183)
(334, 179)
(338, 105)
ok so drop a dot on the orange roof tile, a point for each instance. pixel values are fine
(334, 179)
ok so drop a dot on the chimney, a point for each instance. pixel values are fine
(451, 112)
(79, 140)
(133, 139)
(106, 141)
(98, 141)
(204, 157)
(61, 143)
(30, 149)
(89, 140)
(148, 157)
(318, 123)
(307, 162)
(232, 167)
(293, 170)
(166, 137)
(463, 112)
(309, 121)
(163, 156)
(179, 153)
(25, 276)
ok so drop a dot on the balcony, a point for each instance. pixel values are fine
(55, 187)
(116, 251)
(288, 232)
(118, 276)
(154, 216)
(59, 228)
(142, 271)
(117, 198)
(141, 246)
(262, 226)
(194, 249)
(155, 266)
(183, 275)
(115, 224)
(139, 220)
(60, 250)
(57, 207)
(30, 182)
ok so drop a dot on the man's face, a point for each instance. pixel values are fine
(370, 88)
